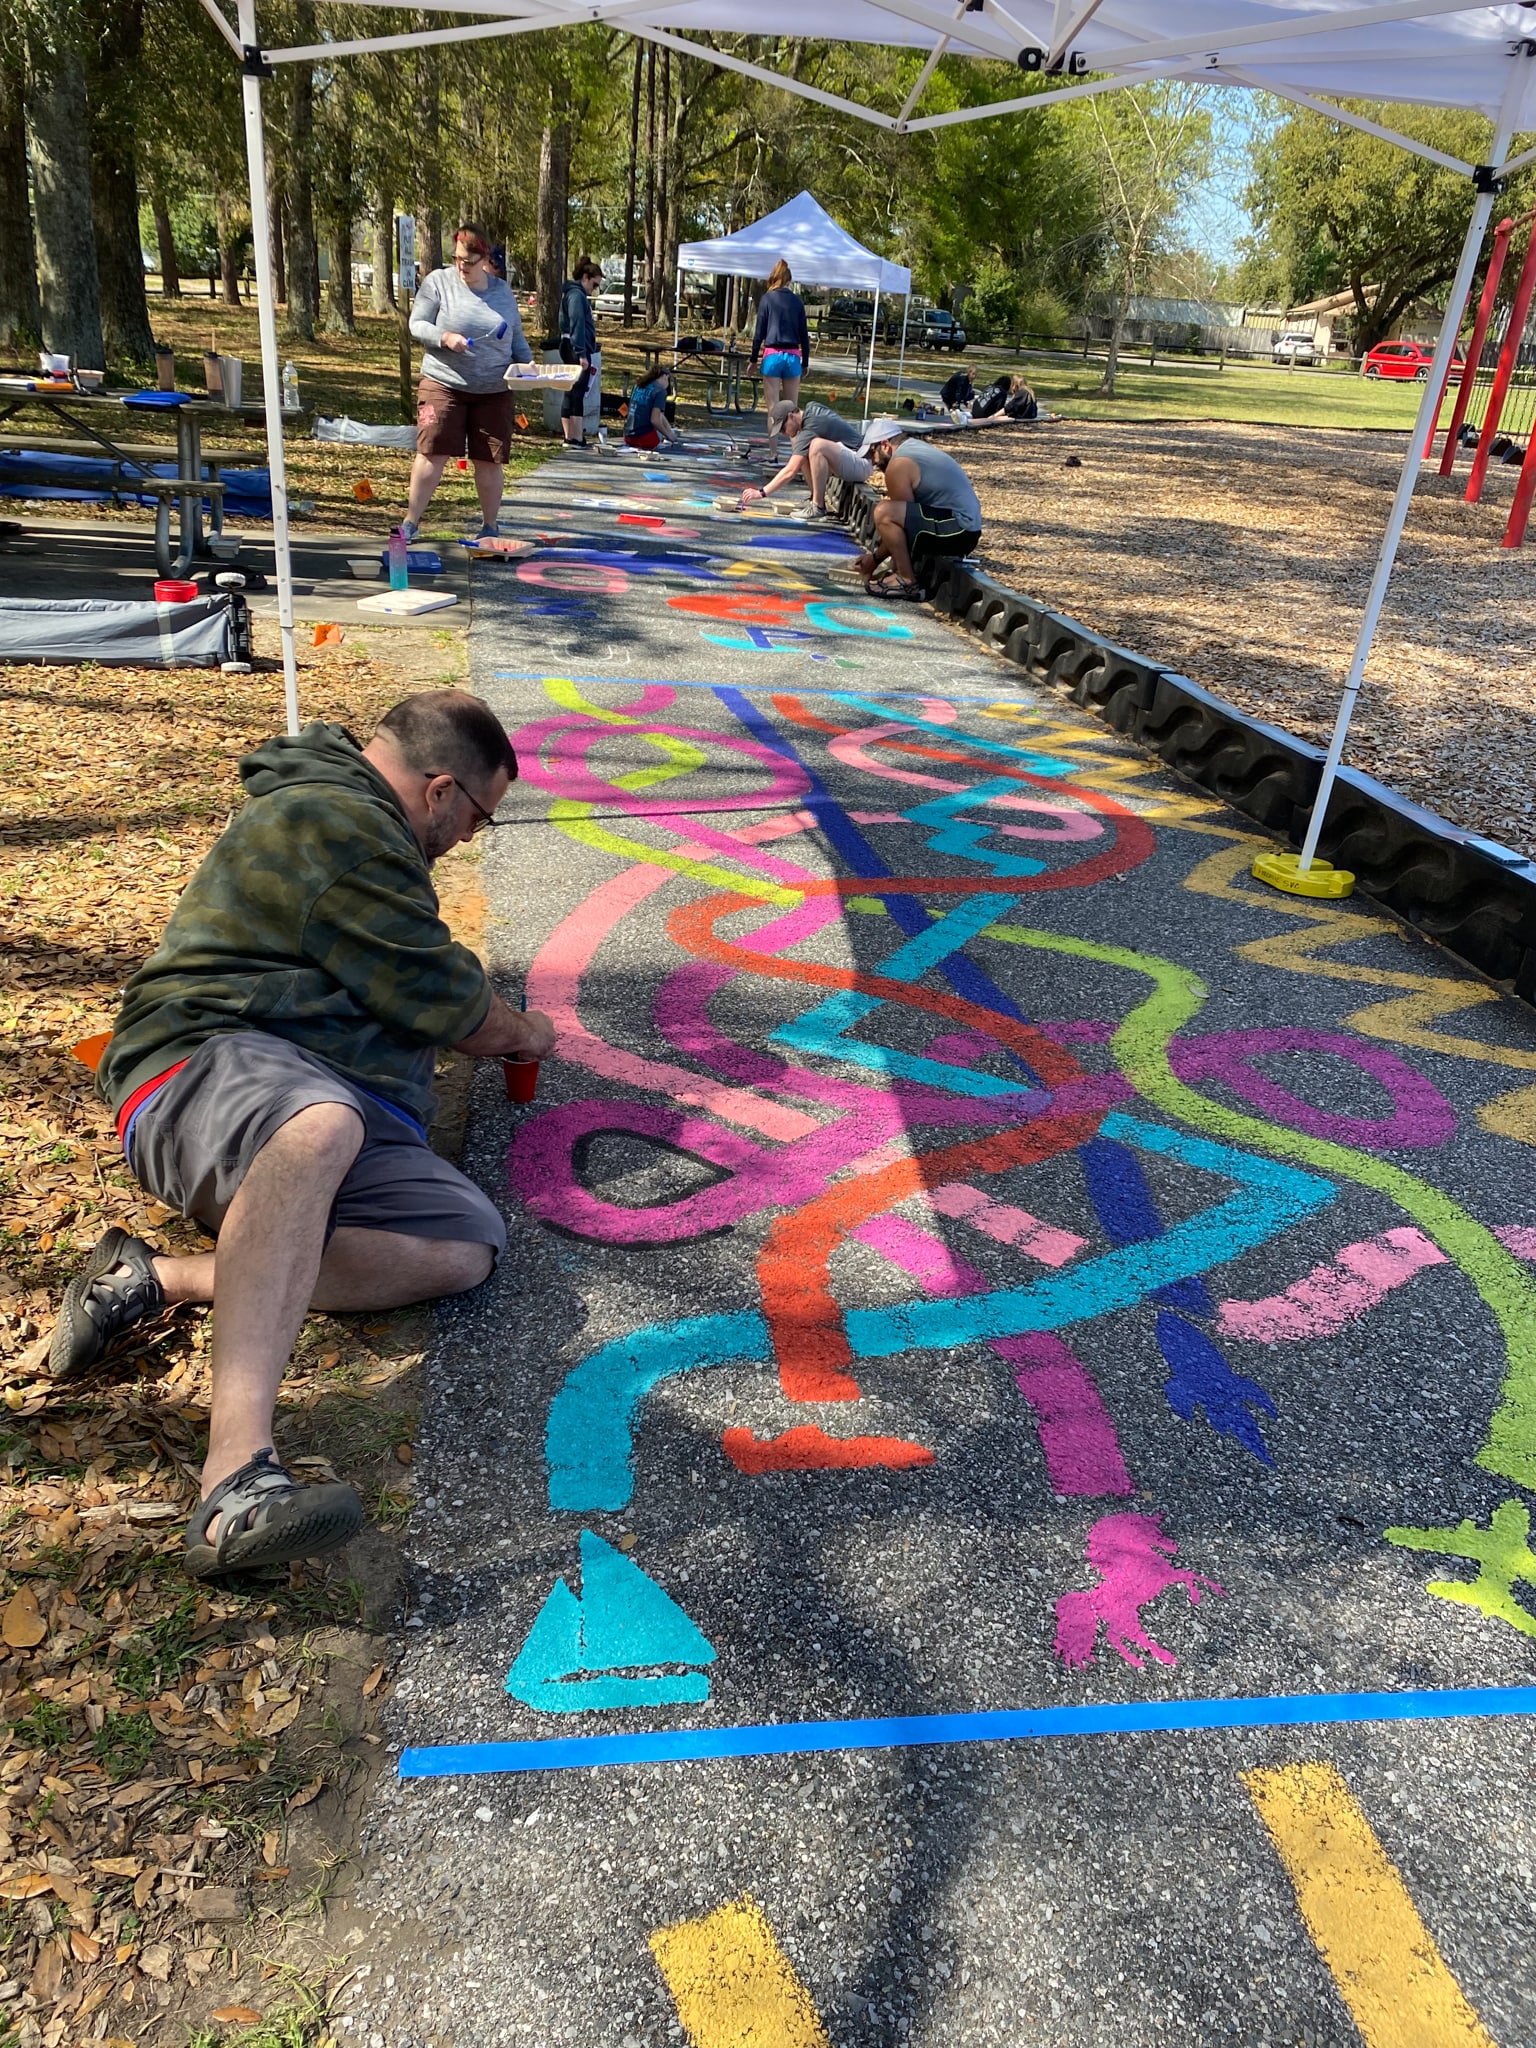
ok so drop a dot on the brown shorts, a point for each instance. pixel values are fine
(473, 423)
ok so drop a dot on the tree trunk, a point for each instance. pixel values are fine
(383, 255)
(277, 205)
(554, 197)
(113, 89)
(21, 317)
(165, 240)
(340, 314)
(650, 185)
(1116, 335)
(58, 122)
(303, 255)
(629, 206)
(431, 257)
(229, 269)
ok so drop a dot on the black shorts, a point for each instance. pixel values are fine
(574, 403)
(939, 531)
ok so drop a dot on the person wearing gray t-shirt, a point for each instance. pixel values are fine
(929, 503)
(822, 443)
(467, 317)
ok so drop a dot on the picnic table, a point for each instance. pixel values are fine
(87, 414)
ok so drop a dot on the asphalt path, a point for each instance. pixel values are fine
(976, 1252)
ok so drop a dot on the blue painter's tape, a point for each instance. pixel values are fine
(590, 1433)
(916, 1731)
(1271, 1198)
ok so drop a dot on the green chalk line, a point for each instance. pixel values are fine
(1140, 1049)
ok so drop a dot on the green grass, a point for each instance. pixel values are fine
(1189, 389)
(122, 1745)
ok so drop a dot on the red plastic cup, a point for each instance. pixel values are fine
(522, 1079)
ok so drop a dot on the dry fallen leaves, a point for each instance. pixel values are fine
(22, 1626)
(1241, 555)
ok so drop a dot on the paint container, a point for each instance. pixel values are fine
(522, 1079)
(171, 590)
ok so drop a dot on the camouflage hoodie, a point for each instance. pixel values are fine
(313, 918)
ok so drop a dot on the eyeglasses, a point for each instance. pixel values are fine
(485, 820)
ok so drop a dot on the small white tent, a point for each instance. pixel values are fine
(806, 237)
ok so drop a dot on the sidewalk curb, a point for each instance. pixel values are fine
(1469, 894)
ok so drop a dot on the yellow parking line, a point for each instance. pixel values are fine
(1357, 1909)
(733, 1985)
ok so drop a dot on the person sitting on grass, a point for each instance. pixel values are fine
(928, 503)
(822, 444)
(647, 425)
(270, 1071)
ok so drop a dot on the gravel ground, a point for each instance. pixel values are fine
(1241, 555)
(1114, 1892)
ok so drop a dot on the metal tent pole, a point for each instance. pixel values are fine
(677, 311)
(271, 371)
(869, 374)
(1428, 406)
(906, 308)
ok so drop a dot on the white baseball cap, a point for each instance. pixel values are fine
(881, 430)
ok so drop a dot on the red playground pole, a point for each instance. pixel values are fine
(1501, 235)
(1525, 490)
(1502, 375)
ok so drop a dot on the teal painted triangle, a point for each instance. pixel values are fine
(596, 1695)
(626, 1619)
(553, 1647)
(622, 1622)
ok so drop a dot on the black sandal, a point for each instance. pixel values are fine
(110, 1296)
(266, 1517)
(894, 589)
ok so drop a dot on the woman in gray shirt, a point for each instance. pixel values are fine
(467, 317)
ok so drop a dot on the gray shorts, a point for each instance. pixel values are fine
(193, 1141)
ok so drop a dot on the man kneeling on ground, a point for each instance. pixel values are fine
(271, 1074)
(822, 444)
(928, 503)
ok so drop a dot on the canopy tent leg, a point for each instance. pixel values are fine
(677, 311)
(1296, 874)
(271, 371)
(869, 374)
(906, 308)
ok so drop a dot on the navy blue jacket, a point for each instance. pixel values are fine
(576, 323)
(781, 324)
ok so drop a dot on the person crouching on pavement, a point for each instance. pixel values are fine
(929, 503)
(647, 425)
(822, 444)
(270, 1071)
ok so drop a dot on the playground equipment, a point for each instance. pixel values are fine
(1495, 407)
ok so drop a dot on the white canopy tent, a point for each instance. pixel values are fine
(817, 251)
(1440, 53)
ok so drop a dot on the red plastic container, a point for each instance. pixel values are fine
(522, 1079)
(172, 591)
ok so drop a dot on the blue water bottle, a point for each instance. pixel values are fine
(399, 561)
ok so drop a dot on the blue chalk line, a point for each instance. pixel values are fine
(915, 1731)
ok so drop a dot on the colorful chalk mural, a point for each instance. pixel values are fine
(894, 1112)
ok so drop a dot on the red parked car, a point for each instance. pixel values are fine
(1407, 359)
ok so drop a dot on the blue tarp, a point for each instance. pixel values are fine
(247, 492)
